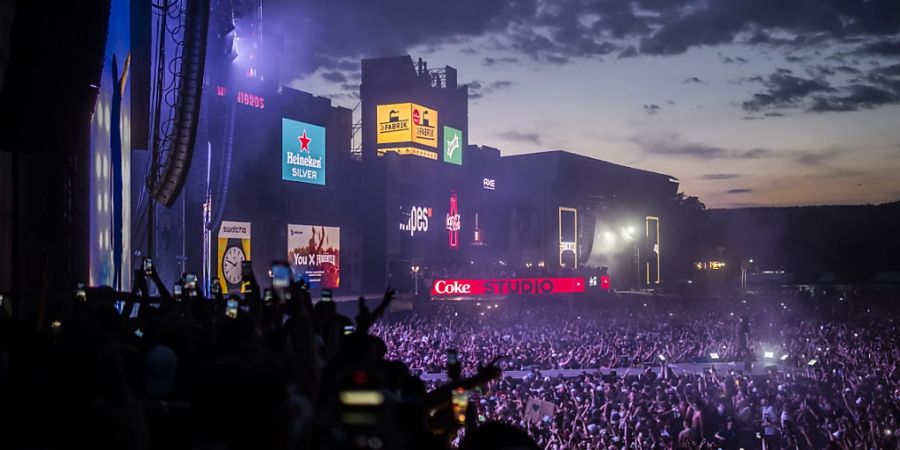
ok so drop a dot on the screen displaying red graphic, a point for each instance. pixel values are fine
(453, 287)
(453, 221)
(604, 282)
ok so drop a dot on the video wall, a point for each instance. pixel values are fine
(110, 199)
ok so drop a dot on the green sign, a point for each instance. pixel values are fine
(453, 144)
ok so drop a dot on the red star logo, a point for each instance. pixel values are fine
(304, 142)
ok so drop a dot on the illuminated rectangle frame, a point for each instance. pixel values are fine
(658, 271)
(559, 227)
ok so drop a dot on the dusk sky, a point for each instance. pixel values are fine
(746, 102)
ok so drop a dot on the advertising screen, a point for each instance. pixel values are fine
(393, 123)
(302, 152)
(453, 142)
(416, 220)
(234, 248)
(457, 287)
(454, 221)
(316, 251)
(406, 122)
(425, 125)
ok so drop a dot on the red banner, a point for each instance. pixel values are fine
(453, 287)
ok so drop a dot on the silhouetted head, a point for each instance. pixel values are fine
(497, 436)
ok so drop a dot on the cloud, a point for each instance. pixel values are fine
(755, 153)
(532, 138)
(883, 47)
(690, 80)
(479, 89)
(730, 60)
(794, 59)
(688, 150)
(892, 70)
(651, 109)
(558, 31)
(491, 62)
(816, 158)
(848, 70)
(674, 146)
(875, 87)
(739, 191)
(719, 176)
(629, 52)
(322, 34)
(784, 90)
(859, 96)
(334, 76)
(558, 43)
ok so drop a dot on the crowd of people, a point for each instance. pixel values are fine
(551, 336)
(834, 380)
(276, 369)
(270, 369)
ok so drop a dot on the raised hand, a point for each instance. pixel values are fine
(365, 319)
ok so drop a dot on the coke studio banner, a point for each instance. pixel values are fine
(456, 287)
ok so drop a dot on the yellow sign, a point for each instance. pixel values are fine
(407, 122)
(428, 154)
(234, 248)
(394, 124)
(425, 123)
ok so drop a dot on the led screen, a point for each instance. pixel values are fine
(302, 152)
(315, 251)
